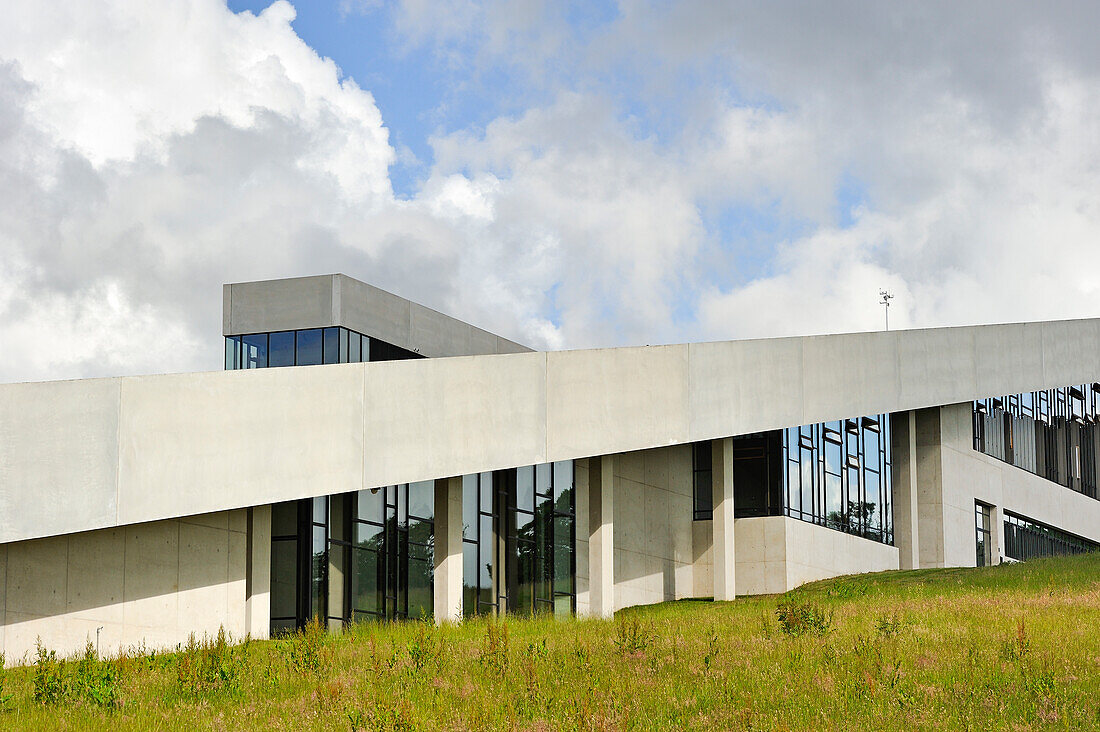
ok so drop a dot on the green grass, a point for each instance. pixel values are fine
(1011, 647)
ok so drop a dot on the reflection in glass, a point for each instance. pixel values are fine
(281, 349)
(309, 348)
(254, 351)
(331, 345)
(1053, 434)
(518, 550)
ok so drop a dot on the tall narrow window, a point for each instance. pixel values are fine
(984, 535)
(702, 482)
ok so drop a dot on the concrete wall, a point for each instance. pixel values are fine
(330, 300)
(653, 526)
(152, 584)
(89, 454)
(652, 534)
(775, 554)
(953, 475)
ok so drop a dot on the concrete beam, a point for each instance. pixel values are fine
(448, 550)
(601, 537)
(722, 495)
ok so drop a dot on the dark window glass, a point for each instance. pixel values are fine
(343, 345)
(702, 482)
(284, 580)
(1027, 539)
(284, 519)
(984, 535)
(254, 351)
(281, 349)
(308, 348)
(332, 345)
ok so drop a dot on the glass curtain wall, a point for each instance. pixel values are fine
(518, 540)
(1027, 539)
(308, 347)
(354, 556)
(1050, 433)
(835, 474)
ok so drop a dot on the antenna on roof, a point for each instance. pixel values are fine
(885, 301)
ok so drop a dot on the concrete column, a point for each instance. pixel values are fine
(930, 508)
(725, 585)
(903, 431)
(997, 533)
(601, 537)
(448, 550)
(258, 573)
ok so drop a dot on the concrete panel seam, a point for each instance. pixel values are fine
(118, 456)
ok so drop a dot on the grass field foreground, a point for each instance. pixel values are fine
(1009, 647)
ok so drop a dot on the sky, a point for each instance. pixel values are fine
(569, 175)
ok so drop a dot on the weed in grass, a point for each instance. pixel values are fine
(4, 698)
(849, 589)
(494, 649)
(1016, 648)
(713, 648)
(383, 715)
(49, 683)
(307, 651)
(95, 681)
(888, 626)
(804, 618)
(423, 648)
(211, 666)
(632, 636)
(90, 680)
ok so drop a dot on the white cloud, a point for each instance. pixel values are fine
(151, 151)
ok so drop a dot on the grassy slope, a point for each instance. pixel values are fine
(1012, 647)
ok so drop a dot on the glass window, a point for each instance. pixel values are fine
(332, 345)
(254, 351)
(308, 349)
(281, 349)
(1050, 433)
(232, 353)
(284, 519)
(284, 580)
(837, 474)
(984, 536)
(702, 483)
(355, 348)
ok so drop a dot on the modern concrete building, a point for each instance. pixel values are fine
(411, 464)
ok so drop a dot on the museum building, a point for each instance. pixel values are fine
(364, 457)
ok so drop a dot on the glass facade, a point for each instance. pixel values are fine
(353, 556)
(370, 554)
(308, 347)
(1051, 433)
(835, 474)
(519, 538)
(1026, 539)
(984, 535)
